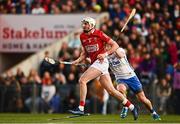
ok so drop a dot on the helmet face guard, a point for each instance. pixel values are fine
(90, 21)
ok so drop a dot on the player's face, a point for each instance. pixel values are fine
(86, 26)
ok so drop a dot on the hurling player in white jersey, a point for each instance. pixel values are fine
(127, 79)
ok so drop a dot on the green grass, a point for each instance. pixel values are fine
(92, 119)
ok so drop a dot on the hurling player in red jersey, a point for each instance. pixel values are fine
(93, 46)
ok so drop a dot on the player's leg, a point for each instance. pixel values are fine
(89, 74)
(106, 82)
(121, 87)
(135, 85)
(142, 98)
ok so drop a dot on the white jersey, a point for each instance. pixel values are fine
(120, 66)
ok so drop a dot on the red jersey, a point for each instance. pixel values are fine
(94, 43)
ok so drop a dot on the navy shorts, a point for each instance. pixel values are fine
(133, 84)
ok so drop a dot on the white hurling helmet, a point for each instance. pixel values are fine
(90, 20)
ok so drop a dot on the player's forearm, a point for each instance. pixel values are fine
(81, 58)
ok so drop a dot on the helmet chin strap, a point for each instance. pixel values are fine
(88, 30)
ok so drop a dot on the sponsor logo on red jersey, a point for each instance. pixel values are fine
(92, 48)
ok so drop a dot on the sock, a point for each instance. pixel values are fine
(81, 105)
(128, 104)
(81, 108)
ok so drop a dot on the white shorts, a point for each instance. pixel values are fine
(103, 67)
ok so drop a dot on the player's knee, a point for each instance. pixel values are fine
(121, 88)
(82, 81)
(142, 98)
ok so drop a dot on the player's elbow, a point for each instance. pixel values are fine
(115, 45)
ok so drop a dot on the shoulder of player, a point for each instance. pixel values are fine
(96, 31)
(121, 49)
(82, 35)
(120, 52)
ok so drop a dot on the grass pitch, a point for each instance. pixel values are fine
(92, 119)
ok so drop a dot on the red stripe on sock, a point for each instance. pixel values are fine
(128, 103)
(82, 103)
